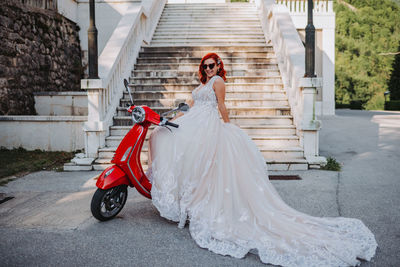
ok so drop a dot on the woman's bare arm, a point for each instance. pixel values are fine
(219, 89)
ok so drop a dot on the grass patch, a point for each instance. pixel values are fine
(332, 165)
(19, 161)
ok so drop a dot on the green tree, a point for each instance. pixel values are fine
(394, 82)
(362, 38)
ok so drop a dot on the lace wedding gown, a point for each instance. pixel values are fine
(213, 173)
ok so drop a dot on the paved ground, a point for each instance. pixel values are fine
(48, 223)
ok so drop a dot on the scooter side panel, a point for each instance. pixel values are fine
(112, 176)
(127, 157)
(138, 132)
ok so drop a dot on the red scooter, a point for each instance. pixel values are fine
(111, 195)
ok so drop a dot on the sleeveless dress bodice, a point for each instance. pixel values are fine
(204, 94)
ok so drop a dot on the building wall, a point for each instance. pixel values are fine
(50, 133)
(40, 51)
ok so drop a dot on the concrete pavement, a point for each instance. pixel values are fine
(48, 222)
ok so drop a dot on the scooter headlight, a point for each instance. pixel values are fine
(138, 115)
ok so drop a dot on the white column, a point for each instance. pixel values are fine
(94, 128)
(310, 126)
(328, 70)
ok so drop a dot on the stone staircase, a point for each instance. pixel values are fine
(166, 73)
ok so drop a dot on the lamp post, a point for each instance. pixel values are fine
(92, 44)
(310, 42)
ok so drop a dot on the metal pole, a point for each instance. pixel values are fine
(310, 43)
(92, 44)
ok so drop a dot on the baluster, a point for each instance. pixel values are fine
(329, 6)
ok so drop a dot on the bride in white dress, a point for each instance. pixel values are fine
(210, 172)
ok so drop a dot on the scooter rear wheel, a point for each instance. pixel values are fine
(107, 203)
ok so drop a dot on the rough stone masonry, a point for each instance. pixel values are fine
(39, 52)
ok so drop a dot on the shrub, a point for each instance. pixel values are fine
(332, 165)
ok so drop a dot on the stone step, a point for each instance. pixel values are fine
(225, 55)
(248, 110)
(238, 119)
(196, 60)
(273, 165)
(205, 41)
(230, 102)
(245, 33)
(195, 66)
(230, 87)
(250, 130)
(201, 37)
(198, 28)
(286, 166)
(182, 79)
(247, 9)
(213, 13)
(272, 141)
(198, 24)
(210, 32)
(278, 155)
(210, 48)
(271, 155)
(210, 5)
(140, 95)
(211, 10)
(272, 71)
(209, 19)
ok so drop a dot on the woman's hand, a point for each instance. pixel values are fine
(219, 89)
(179, 114)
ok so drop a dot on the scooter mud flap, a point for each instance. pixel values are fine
(112, 176)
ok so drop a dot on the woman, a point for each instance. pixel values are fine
(213, 173)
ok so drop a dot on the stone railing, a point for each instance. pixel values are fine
(116, 63)
(301, 6)
(279, 28)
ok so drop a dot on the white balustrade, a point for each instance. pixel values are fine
(301, 6)
(290, 52)
(115, 64)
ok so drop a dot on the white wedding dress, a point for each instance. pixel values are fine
(213, 173)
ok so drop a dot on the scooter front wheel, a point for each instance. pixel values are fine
(107, 203)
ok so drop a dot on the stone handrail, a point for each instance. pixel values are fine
(290, 52)
(115, 63)
(301, 6)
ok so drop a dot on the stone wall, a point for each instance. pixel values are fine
(39, 52)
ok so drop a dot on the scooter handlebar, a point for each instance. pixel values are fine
(172, 124)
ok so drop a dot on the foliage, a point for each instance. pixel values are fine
(394, 82)
(392, 105)
(332, 165)
(362, 39)
(19, 160)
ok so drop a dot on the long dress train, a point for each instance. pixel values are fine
(212, 173)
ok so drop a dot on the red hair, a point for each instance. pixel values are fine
(217, 59)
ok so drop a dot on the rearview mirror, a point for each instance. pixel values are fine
(183, 107)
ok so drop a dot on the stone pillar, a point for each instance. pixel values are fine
(310, 126)
(95, 129)
(328, 69)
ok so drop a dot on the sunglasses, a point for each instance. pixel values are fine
(211, 66)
